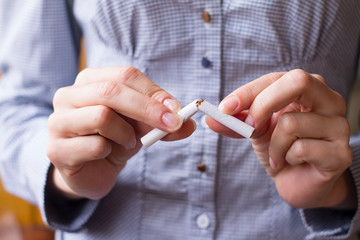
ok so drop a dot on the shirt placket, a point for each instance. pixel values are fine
(204, 141)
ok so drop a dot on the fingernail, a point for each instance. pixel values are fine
(230, 104)
(250, 121)
(171, 120)
(273, 164)
(131, 144)
(172, 104)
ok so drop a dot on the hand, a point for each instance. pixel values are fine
(301, 136)
(96, 125)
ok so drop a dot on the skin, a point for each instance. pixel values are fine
(301, 135)
(93, 131)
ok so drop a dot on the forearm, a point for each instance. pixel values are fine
(58, 184)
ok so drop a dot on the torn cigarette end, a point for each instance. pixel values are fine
(199, 102)
(189, 110)
(156, 134)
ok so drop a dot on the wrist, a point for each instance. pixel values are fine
(59, 186)
(343, 196)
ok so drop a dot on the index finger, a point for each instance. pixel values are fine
(309, 93)
(131, 77)
(126, 90)
(273, 92)
(242, 98)
(122, 99)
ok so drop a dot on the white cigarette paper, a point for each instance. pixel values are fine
(156, 134)
(227, 120)
(210, 110)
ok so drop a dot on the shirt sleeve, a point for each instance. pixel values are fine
(334, 224)
(37, 56)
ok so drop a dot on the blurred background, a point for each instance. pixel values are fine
(354, 106)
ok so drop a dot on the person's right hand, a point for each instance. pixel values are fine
(96, 125)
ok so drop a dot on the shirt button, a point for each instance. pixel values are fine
(206, 16)
(205, 62)
(201, 167)
(203, 221)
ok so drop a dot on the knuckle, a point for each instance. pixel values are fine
(83, 75)
(52, 123)
(127, 73)
(299, 149)
(250, 91)
(346, 155)
(299, 72)
(288, 123)
(149, 107)
(102, 116)
(109, 89)
(343, 126)
(319, 77)
(301, 79)
(99, 148)
(327, 177)
(340, 103)
(52, 152)
(156, 92)
(59, 96)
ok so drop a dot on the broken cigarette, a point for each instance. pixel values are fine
(210, 110)
(156, 134)
(227, 120)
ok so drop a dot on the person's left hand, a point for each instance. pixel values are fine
(301, 136)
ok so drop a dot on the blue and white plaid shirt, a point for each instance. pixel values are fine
(161, 194)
